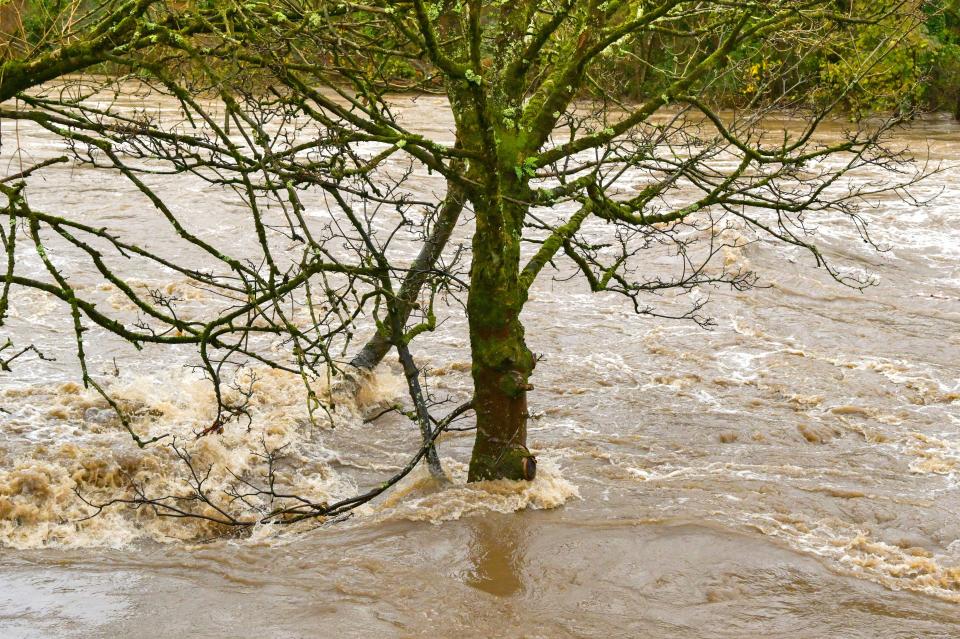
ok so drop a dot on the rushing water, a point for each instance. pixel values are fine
(792, 473)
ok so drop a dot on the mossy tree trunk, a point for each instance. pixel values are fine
(502, 363)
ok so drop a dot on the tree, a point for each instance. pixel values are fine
(943, 87)
(284, 101)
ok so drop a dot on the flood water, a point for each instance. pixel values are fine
(794, 472)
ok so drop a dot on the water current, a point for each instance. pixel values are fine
(794, 472)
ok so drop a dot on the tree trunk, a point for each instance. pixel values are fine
(502, 363)
(379, 345)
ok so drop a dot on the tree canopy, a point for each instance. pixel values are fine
(554, 164)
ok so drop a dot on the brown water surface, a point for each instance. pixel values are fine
(792, 473)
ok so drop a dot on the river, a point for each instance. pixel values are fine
(793, 472)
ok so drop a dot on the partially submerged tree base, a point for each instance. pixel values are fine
(346, 385)
(516, 464)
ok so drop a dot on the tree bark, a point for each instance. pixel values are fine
(502, 363)
(412, 374)
(379, 345)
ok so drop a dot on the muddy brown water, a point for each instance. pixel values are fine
(792, 473)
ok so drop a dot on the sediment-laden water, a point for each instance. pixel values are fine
(791, 473)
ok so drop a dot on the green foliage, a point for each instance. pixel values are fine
(40, 17)
(921, 69)
(943, 83)
(884, 77)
